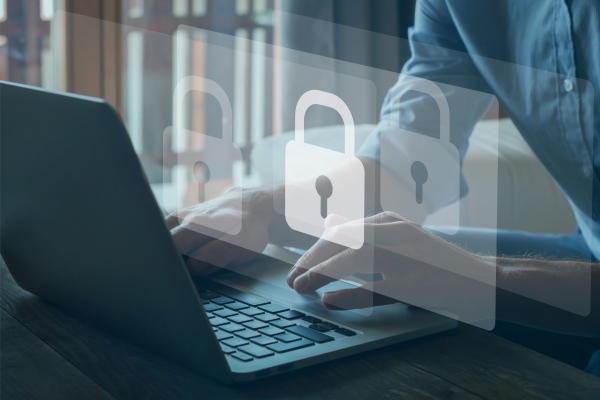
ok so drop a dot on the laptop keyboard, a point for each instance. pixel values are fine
(250, 327)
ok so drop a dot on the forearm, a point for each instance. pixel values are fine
(526, 287)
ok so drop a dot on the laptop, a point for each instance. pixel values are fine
(81, 228)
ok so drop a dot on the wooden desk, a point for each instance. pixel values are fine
(49, 354)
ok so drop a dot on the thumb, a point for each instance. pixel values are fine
(334, 220)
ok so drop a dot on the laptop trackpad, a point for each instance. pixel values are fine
(270, 281)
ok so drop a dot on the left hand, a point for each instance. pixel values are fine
(407, 256)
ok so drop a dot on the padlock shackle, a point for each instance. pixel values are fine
(318, 97)
(428, 87)
(190, 83)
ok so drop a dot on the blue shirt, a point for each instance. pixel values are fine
(540, 58)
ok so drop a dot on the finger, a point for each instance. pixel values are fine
(337, 267)
(188, 239)
(324, 249)
(308, 258)
(197, 226)
(172, 221)
(334, 220)
(351, 299)
(385, 217)
(215, 255)
(320, 252)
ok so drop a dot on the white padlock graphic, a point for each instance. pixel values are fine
(213, 149)
(319, 182)
(428, 166)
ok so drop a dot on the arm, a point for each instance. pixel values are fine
(542, 280)
(396, 256)
(439, 55)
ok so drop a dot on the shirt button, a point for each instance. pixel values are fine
(568, 85)
(586, 171)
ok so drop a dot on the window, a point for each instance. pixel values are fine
(149, 78)
(26, 42)
(123, 51)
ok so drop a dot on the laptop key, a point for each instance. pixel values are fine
(310, 319)
(239, 319)
(247, 334)
(251, 312)
(222, 335)
(255, 351)
(227, 349)
(236, 306)
(222, 301)
(309, 334)
(282, 323)
(234, 342)
(329, 325)
(271, 331)
(266, 317)
(205, 302)
(345, 332)
(212, 307)
(287, 337)
(255, 325)
(242, 356)
(208, 295)
(263, 340)
(224, 313)
(217, 321)
(273, 308)
(231, 327)
(291, 314)
(319, 328)
(281, 347)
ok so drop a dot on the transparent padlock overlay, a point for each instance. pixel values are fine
(437, 116)
(428, 261)
(325, 131)
(214, 217)
(200, 167)
(434, 117)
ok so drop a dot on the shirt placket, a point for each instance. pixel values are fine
(569, 92)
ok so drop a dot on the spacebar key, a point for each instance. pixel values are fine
(283, 347)
(309, 334)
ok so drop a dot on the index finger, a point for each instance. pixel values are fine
(187, 239)
(344, 264)
(172, 221)
(319, 252)
(324, 249)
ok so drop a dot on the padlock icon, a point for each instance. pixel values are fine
(312, 190)
(429, 167)
(203, 167)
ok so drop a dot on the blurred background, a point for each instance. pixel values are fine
(114, 55)
(125, 51)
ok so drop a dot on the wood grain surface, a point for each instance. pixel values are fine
(48, 353)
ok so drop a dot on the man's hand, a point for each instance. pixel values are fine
(399, 255)
(208, 251)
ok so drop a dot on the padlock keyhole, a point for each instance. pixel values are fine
(201, 173)
(418, 170)
(325, 190)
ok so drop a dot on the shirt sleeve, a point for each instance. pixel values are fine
(439, 54)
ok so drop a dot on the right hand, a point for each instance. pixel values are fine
(210, 250)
